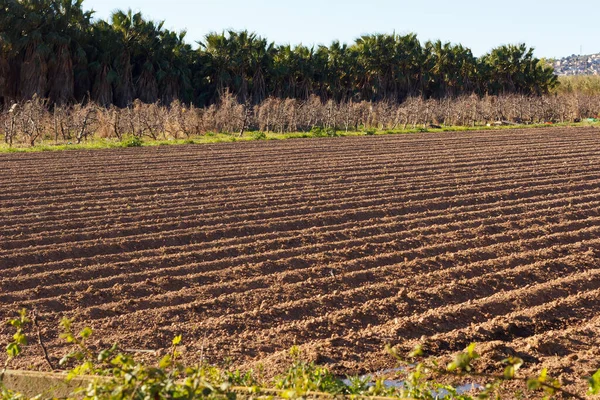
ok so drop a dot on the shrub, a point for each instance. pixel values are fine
(259, 136)
(318, 131)
(132, 141)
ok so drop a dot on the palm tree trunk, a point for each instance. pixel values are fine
(33, 74)
(102, 92)
(147, 87)
(123, 90)
(4, 76)
(62, 85)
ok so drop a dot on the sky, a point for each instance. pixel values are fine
(554, 28)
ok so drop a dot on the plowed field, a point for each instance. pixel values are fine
(337, 245)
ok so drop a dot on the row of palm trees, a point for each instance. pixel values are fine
(55, 49)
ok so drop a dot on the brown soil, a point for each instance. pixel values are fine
(337, 245)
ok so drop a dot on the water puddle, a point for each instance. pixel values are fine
(397, 383)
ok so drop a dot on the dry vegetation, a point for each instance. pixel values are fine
(583, 84)
(34, 122)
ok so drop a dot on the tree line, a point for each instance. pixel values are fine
(55, 49)
(35, 122)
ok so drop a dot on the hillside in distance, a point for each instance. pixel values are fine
(577, 65)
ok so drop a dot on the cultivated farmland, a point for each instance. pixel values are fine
(337, 245)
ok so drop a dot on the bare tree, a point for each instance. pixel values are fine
(30, 122)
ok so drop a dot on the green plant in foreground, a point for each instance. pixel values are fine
(426, 370)
(303, 378)
(82, 354)
(594, 382)
(14, 348)
(120, 376)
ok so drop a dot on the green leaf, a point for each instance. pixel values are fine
(13, 350)
(177, 340)
(15, 323)
(104, 355)
(165, 362)
(509, 372)
(67, 357)
(417, 352)
(533, 384)
(289, 394)
(129, 378)
(86, 332)
(594, 382)
(295, 352)
(540, 381)
(471, 351)
(69, 338)
(66, 323)
(19, 338)
(23, 314)
(514, 364)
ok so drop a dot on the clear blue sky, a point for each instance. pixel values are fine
(555, 28)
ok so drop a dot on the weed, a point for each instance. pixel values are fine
(259, 136)
(122, 377)
(318, 131)
(132, 141)
(331, 132)
(15, 347)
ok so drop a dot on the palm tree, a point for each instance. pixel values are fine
(283, 72)
(514, 69)
(103, 53)
(411, 57)
(303, 74)
(440, 65)
(146, 62)
(69, 24)
(7, 20)
(31, 51)
(387, 62)
(261, 65)
(216, 64)
(126, 25)
(340, 68)
(466, 71)
(51, 48)
(174, 71)
(239, 62)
